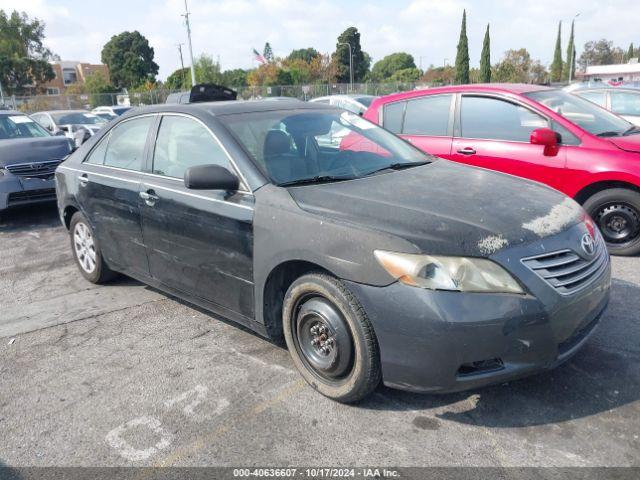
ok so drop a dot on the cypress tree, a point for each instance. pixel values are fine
(630, 52)
(462, 56)
(556, 65)
(485, 58)
(571, 57)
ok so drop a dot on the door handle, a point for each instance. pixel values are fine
(149, 197)
(83, 179)
(467, 151)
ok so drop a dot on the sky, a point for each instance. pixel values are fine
(230, 29)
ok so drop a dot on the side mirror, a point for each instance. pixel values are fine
(548, 138)
(58, 133)
(210, 177)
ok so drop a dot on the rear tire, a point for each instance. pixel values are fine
(86, 251)
(330, 338)
(616, 211)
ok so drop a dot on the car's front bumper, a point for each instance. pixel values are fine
(17, 191)
(438, 341)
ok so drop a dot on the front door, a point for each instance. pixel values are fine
(109, 191)
(199, 242)
(494, 133)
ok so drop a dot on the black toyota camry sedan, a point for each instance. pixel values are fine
(374, 261)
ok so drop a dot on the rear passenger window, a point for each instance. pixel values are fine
(428, 116)
(96, 156)
(183, 143)
(126, 144)
(392, 116)
(598, 98)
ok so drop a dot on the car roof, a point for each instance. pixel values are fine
(514, 88)
(231, 107)
(11, 112)
(63, 111)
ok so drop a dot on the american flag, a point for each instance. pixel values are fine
(259, 57)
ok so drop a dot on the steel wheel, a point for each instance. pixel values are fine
(85, 247)
(322, 338)
(619, 223)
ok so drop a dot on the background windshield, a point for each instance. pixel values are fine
(301, 144)
(583, 113)
(76, 118)
(20, 126)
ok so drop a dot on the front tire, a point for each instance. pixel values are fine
(86, 251)
(616, 211)
(330, 339)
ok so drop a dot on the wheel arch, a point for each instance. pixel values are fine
(275, 287)
(68, 212)
(586, 192)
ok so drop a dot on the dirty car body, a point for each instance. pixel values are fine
(348, 212)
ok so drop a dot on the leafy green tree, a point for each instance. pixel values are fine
(630, 52)
(556, 65)
(570, 69)
(207, 70)
(406, 75)
(267, 53)
(234, 78)
(389, 65)
(514, 67)
(361, 60)
(130, 60)
(600, 52)
(98, 86)
(485, 58)
(305, 54)
(462, 55)
(179, 80)
(24, 60)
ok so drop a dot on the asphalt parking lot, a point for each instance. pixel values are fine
(125, 375)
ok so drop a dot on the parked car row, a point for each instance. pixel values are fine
(373, 260)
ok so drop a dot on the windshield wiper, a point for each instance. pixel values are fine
(399, 166)
(633, 129)
(316, 179)
(610, 133)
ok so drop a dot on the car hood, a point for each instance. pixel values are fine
(630, 143)
(25, 150)
(446, 208)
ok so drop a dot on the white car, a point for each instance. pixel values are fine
(109, 113)
(353, 103)
(621, 100)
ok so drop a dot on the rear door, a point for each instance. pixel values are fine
(109, 192)
(426, 122)
(494, 133)
(199, 242)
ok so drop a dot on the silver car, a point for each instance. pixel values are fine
(353, 103)
(623, 100)
(78, 125)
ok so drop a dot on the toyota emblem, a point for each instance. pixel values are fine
(588, 244)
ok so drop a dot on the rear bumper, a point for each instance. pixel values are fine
(16, 191)
(435, 341)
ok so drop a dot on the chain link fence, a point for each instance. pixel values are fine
(90, 101)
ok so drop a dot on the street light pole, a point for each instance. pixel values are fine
(1, 95)
(573, 53)
(186, 17)
(350, 65)
(181, 62)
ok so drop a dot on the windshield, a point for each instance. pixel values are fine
(319, 145)
(366, 101)
(583, 113)
(120, 110)
(20, 126)
(77, 118)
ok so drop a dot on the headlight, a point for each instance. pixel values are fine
(462, 274)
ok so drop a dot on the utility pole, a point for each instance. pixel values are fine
(1, 95)
(186, 18)
(350, 65)
(181, 63)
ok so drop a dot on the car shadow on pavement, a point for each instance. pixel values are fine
(29, 218)
(604, 375)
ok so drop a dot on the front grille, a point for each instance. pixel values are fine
(29, 196)
(568, 272)
(34, 169)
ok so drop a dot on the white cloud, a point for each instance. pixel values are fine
(231, 28)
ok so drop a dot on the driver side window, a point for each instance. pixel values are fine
(183, 143)
(126, 144)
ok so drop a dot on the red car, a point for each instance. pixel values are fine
(540, 133)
